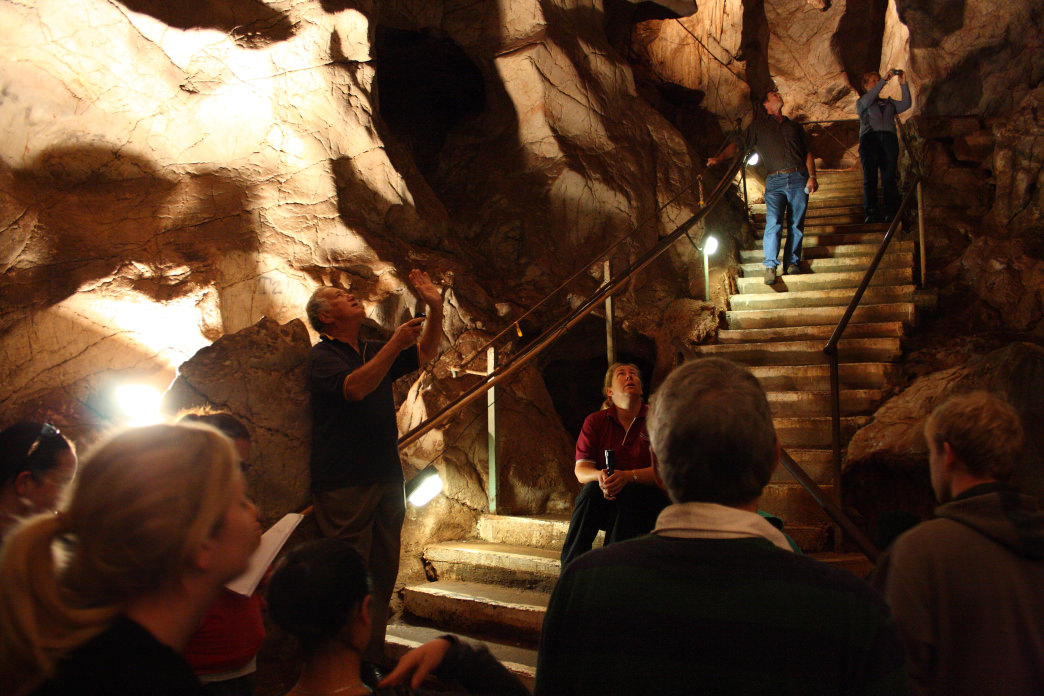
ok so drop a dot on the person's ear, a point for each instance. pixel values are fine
(24, 483)
(950, 459)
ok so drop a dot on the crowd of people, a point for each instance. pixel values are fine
(114, 571)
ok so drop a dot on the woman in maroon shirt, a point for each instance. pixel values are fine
(624, 503)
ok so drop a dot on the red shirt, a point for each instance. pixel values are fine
(230, 635)
(603, 431)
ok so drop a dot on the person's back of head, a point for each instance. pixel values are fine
(711, 431)
(230, 426)
(983, 431)
(144, 501)
(316, 591)
(36, 461)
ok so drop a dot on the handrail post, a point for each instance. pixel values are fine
(491, 432)
(610, 346)
(920, 231)
(835, 434)
(743, 175)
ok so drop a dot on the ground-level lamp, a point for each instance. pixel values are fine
(710, 245)
(423, 487)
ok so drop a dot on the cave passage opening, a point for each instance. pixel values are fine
(426, 87)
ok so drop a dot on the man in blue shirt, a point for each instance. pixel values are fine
(878, 143)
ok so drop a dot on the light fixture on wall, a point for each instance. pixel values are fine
(710, 245)
(422, 488)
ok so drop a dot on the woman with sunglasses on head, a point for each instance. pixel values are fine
(102, 597)
(36, 463)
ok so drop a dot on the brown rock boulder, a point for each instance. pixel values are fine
(258, 375)
(886, 467)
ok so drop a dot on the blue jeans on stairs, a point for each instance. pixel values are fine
(781, 191)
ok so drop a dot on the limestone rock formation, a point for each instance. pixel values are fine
(173, 172)
(258, 375)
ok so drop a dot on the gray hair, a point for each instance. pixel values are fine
(711, 431)
(317, 304)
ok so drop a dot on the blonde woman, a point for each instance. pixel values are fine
(101, 597)
(626, 501)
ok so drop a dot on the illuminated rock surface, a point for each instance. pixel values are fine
(171, 173)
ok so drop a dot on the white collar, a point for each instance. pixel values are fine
(713, 521)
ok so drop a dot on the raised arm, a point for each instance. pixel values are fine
(428, 347)
(903, 104)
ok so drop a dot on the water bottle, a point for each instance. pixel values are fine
(808, 189)
(610, 461)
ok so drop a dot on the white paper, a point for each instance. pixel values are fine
(271, 542)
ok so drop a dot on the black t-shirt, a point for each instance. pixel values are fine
(353, 442)
(781, 145)
(123, 660)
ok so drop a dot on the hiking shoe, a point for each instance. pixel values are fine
(770, 276)
(793, 269)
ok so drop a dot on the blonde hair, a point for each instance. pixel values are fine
(143, 502)
(607, 383)
(983, 430)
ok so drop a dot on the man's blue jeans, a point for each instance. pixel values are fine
(782, 190)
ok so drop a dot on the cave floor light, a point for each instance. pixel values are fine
(710, 245)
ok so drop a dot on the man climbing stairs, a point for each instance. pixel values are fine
(779, 331)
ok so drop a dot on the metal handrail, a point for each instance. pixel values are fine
(829, 506)
(831, 347)
(551, 334)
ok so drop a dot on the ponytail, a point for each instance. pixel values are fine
(37, 624)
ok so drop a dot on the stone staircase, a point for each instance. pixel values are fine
(496, 587)
(779, 332)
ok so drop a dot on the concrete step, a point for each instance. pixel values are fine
(822, 281)
(850, 236)
(794, 505)
(817, 227)
(507, 565)
(840, 265)
(818, 206)
(478, 609)
(817, 377)
(851, 218)
(818, 403)
(766, 318)
(833, 251)
(810, 538)
(813, 432)
(519, 659)
(807, 299)
(532, 531)
(822, 332)
(850, 350)
(855, 563)
(817, 463)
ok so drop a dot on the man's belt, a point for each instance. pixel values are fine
(784, 171)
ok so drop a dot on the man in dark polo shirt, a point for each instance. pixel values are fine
(791, 176)
(357, 482)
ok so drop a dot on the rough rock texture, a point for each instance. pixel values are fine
(258, 375)
(886, 466)
(173, 172)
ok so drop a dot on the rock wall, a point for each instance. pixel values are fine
(172, 173)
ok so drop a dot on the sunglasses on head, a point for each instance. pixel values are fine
(46, 431)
